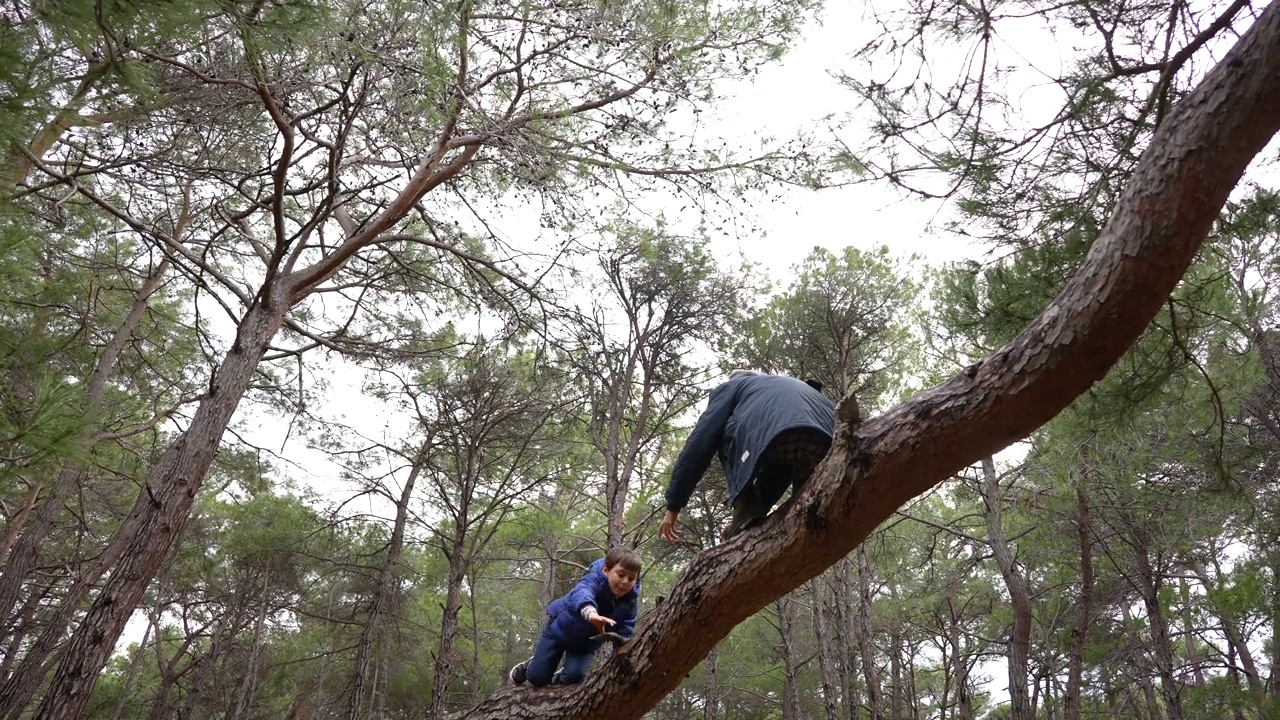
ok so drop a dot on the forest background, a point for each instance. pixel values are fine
(340, 336)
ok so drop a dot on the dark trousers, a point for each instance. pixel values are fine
(787, 463)
(547, 656)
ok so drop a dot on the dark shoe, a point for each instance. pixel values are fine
(517, 674)
(747, 511)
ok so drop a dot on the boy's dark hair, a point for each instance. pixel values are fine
(622, 556)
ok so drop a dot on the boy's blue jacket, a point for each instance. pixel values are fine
(742, 417)
(567, 626)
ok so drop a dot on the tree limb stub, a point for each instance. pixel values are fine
(1181, 182)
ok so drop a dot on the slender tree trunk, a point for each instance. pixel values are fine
(1020, 634)
(847, 634)
(384, 596)
(1084, 604)
(477, 672)
(960, 664)
(1161, 646)
(135, 662)
(18, 636)
(1230, 630)
(620, 463)
(866, 640)
(248, 684)
(896, 703)
(1189, 635)
(710, 687)
(384, 680)
(1273, 675)
(790, 658)
(444, 664)
(826, 649)
(16, 522)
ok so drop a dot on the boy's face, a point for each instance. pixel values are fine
(621, 580)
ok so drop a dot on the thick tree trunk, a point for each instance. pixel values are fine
(1084, 604)
(1019, 642)
(384, 596)
(151, 528)
(826, 650)
(1172, 198)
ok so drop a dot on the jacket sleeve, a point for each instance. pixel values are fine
(582, 595)
(627, 623)
(701, 447)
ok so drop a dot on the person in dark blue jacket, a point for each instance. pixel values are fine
(770, 432)
(607, 598)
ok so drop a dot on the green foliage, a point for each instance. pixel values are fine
(844, 321)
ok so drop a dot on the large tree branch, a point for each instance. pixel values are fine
(1181, 182)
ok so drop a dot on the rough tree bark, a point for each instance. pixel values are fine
(445, 661)
(711, 687)
(826, 650)
(1181, 182)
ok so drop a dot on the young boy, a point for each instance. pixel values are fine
(607, 598)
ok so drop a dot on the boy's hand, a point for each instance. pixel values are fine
(668, 530)
(600, 622)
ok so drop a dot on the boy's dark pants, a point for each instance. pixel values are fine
(547, 655)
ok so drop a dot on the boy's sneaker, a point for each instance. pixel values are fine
(517, 674)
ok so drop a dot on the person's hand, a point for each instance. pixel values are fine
(600, 622)
(668, 530)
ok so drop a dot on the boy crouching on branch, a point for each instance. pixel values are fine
(606, 599)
